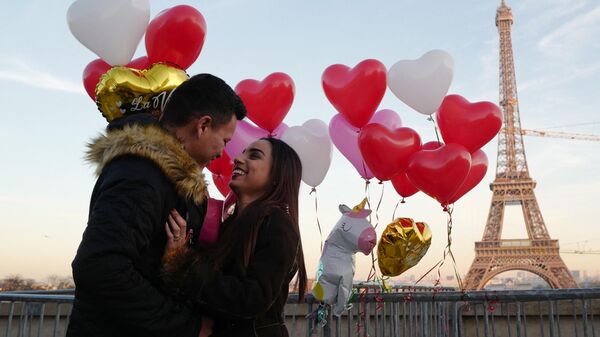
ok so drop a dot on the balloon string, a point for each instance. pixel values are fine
(368, 196)
(363, 296)
(448, 252)
(364, 167)
(440, 263)
(437, 135)
(411, 289)
(314, 190)
(379, 204)
(396, 208)
(361, 312)
(372, 271)
(427, 273)
(456, 273)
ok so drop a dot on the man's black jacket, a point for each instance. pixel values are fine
(144, 173)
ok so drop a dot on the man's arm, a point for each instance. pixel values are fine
(125, 216)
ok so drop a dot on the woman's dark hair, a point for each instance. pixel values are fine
(286, 175)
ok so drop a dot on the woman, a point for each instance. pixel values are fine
(243, 281)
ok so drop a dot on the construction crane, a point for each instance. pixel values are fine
(557, 134)
(581, 247)
(577, 251)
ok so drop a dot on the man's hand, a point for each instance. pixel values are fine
(206, 329)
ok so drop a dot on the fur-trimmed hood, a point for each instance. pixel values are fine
(154, 143)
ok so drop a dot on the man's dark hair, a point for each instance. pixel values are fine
(202, 95)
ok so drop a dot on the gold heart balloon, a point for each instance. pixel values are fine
(122, 91)
(402, 245)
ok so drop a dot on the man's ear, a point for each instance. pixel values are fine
(202, 124)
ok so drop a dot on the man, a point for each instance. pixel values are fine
(146, 169)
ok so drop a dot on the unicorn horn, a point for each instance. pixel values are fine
(360, 206)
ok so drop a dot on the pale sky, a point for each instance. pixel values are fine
(46, 118)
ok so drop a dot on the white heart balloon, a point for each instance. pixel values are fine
(110, 28)
(312, 143)
(422, 83)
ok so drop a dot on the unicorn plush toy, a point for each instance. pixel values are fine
(352, 233)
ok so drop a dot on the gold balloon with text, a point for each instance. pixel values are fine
(124, 91)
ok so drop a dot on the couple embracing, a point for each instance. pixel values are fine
(139, 271)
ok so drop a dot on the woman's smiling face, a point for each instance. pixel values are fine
(252, 170)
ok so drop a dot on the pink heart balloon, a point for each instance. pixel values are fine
(245, 133)
(345, 137)
(388, 118)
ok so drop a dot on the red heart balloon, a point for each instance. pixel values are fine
(176, 35)
(403, 186)
(96, 68)
(221, 165)
(222, 183)
(431, 145)
(471, 125)
(355, 92)
(139, 63)
(91, 75)
(440, 172)
(267, 101)
(385, 151)
(479, 165)
(221, 169)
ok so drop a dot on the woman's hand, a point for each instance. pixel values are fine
(176, 228)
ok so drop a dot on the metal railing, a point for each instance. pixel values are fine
(34, 314)
(420, 312)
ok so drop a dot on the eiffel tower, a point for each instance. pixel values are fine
(538, 253)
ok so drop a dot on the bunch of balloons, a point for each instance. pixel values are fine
(448, 171)
(268, 102)
(376, 143)
(112, 29)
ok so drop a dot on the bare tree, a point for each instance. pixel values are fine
(54, 282)
(16, 282)
(66, 282)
